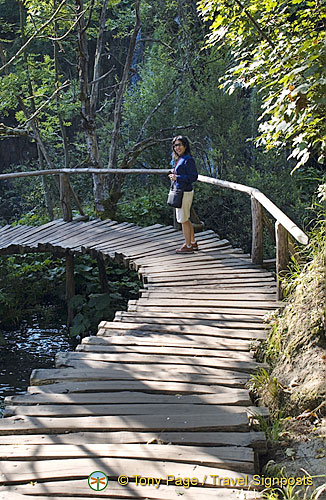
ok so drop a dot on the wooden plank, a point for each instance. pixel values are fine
(207, 241)
(223, 456)
(233, 422)
(41, 232)
(243, 270)
(213, 256)
(99, 378)
(222, 275)
(162, 251)
(159, 250)
(208, 310)
(132, 238)
(17, 237)
(187, 366)
(208, 294)
(198, 263)
(203, 302)
(255, 440)
(208, 338)
(226, 281)
(169, 340)
(171, 318)
(259, 286)
(179, 258)
(90, 359)
(207, 237)
(266, 290)
(88, 410)
(154, 233)
(222, 375)
(156, 392)
(106, 326)
(109, 241)
(58, 489)
(80, 468)
(13, 495)
(166, 351)
(126, 244)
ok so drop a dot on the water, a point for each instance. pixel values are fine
(25, 350)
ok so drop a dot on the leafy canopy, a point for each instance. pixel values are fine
(278, 46)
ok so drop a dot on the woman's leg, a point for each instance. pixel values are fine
(188, 232)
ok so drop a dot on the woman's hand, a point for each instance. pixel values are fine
(173, 177)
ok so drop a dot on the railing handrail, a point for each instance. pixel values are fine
(104, 171)
(280, 216)
(277, 213)
(283, 225)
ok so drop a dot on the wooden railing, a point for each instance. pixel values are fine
(284, 227)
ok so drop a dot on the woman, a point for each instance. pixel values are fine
(184, 174)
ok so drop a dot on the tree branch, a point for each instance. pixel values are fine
(159, 104)
(260, 31)
(13, 132)
(90, 16)
(155, 41)
(29, 41)
(59, 39)
(45, 103)
(131, 156)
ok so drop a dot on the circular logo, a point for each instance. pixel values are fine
(98, 480)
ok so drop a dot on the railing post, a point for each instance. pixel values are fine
(65, 197)
(282, 254)
(257, 244)
(70, 286)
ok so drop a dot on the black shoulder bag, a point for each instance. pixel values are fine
(175, 196)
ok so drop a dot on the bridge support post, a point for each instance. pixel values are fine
(257, 244)
(65, 197)
(70, 286)
(102, 274)
(282, 255)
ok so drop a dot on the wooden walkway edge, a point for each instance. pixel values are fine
(160, 395)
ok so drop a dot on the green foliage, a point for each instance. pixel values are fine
(145, 206)
(271, 429)
(279, 47)
(283, 486)
(90, 307)
(226, 211)
(27, 284)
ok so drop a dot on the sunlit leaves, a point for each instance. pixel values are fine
(281, 50)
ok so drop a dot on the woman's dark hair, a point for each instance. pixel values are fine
(184, 140)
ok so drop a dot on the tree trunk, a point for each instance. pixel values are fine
(56, 68)
(114, 183)
(89, 97)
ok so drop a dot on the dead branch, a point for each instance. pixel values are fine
(131, 156)
(155, 41)
(101, 77)
(159, 104)
(60, 38)
(13, 132)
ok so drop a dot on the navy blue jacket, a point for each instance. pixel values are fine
(186, 172)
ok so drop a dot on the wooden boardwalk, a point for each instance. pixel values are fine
(160, 392)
